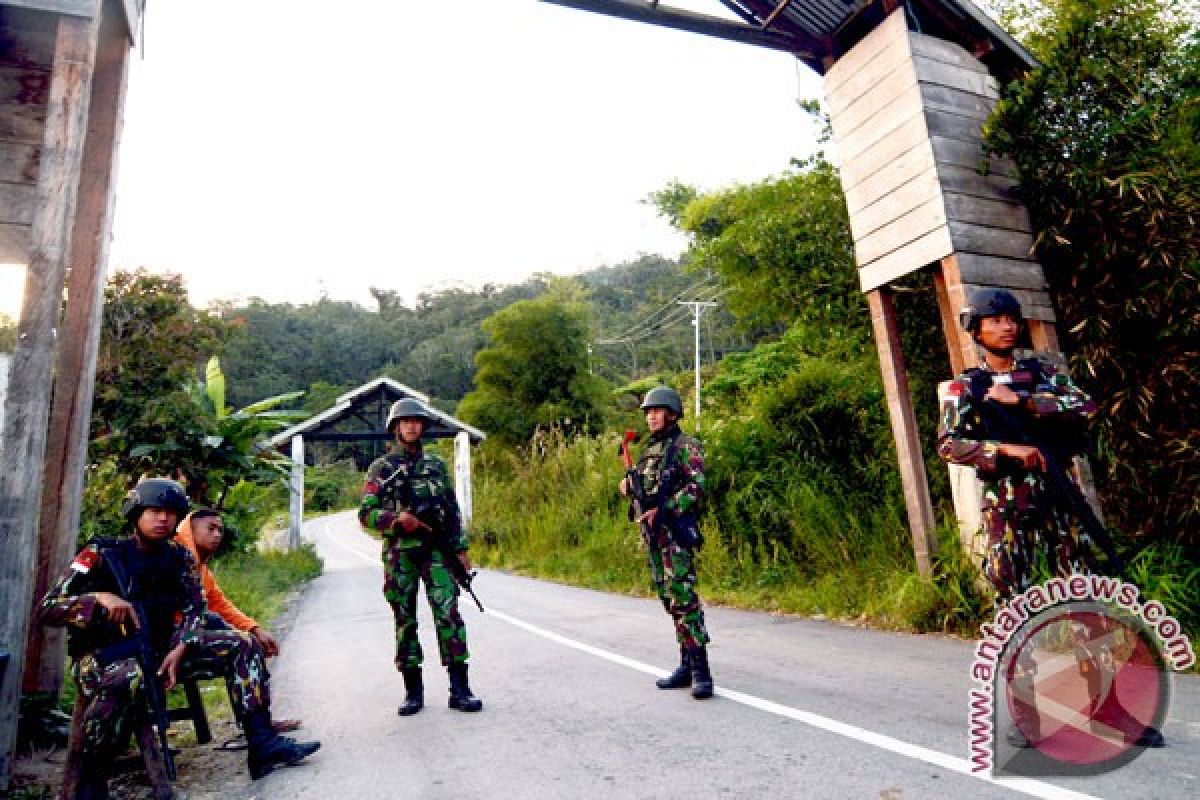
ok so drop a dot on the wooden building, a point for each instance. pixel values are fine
(63, 66)
(909, 84)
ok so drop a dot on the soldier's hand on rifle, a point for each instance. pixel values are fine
(466, 560)
(116, 608)
(169, 670)
(408, 522)
(269, 645)
(648, 517)
(1002, 395)
(623, 486)
(1029, 457)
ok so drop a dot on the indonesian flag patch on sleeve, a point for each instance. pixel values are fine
(85, 561)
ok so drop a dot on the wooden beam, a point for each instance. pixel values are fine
(71, 409)
(703, 24)
(948, 312)
(27, 402)
(75, 8)
(904, 428)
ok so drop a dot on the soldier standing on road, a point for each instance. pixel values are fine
(161, 575)
(408, 498)
(1021, 510)
(671, 470)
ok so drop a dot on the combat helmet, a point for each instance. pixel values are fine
(154, 493)
(405, 408)
(988, 303)
(663, 397)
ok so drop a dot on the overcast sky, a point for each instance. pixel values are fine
(285, 148)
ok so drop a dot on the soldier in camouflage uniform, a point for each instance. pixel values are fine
(408, 498)
(163, 577)
(673, 492)
(1019, 513)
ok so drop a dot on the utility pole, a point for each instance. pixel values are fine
(698, 307)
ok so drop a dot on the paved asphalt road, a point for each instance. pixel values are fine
(804, 708)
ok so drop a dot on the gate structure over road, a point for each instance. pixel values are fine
(909, 84)
(360, 415)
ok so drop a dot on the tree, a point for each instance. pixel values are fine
(534, 373)
(1107, 138)
(152, 342)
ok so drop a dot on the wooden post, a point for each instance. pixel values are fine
(951, 298)
(296, 505)
(71, 409)
(462, 476)
(27, 404)
(904, 428)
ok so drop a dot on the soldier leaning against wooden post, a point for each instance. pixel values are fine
(671, 470)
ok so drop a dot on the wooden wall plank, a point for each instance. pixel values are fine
(895, 97)
(19, 162)
(989, 270)
(14, 244)
(956, 152)
(906, 197)
(854, 146)
(75, 8)
(929, 248)
(906, 167)
(17, 201)
(24, 85)
(900, 231)
(1007, 214)
(26, 38)
(931, 47)
(895, 57)
(954, 126)
(980, 239)
(941, 74)
(954, 101)
(22, 123)
(961, 180)
(909, 134)
(886, 35)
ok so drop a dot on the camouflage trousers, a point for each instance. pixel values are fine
(403, 571)
(673, 574)
(114, 690)
(1017, 522)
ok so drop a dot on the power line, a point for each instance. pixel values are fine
(658, 315)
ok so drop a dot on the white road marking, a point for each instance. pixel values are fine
(1027, 786)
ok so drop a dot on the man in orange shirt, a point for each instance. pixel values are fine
(201, 532)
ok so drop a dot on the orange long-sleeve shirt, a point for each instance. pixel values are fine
(218, 603)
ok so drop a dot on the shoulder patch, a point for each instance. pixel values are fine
(84, 562)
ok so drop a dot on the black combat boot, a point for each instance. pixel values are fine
(681, 678)
(702, 682)
(414, 692)
(460, 691)
(267, 749)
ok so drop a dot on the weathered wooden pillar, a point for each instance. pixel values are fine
(904, 426)
(27, 403)
(71, 409)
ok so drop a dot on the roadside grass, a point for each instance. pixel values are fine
(556, 514)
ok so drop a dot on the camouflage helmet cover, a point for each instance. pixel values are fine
(406, 408)
(988, 303)
(663, 397)
(155, 493)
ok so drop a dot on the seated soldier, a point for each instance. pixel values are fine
(202, 532)
(161, 576)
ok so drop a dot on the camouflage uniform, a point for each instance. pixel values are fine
(166, 581)
(1018, 513)
(672, 567)
(401, 482)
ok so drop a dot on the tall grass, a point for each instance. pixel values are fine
(554, 513)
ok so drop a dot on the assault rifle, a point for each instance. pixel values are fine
(1006, 426)
(638, 502)
(431, 513)
(144, 653)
